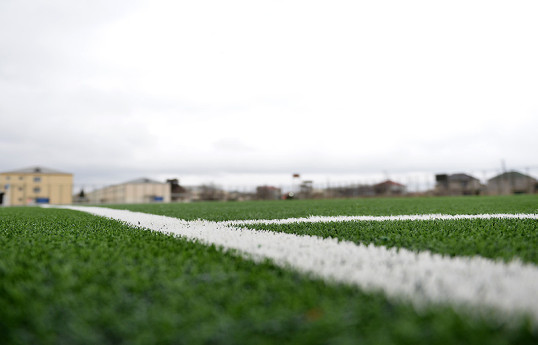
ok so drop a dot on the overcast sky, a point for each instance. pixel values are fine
(241, 92)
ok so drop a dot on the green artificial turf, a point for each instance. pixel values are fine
(367, 206)
(499, 239)
(504, 239)
(71, 278)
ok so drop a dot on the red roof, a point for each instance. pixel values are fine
(390, 183)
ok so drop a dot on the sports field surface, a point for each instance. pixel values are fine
(375, 271)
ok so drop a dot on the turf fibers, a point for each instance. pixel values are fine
(279, 209)
(67, 277)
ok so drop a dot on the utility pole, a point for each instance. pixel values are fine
(529, 183)
(504, 179)
(294, 177)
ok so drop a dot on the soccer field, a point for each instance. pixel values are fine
(230, 273)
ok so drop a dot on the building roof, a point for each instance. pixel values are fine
(510, 175)
(143, 180)
(389, 183)
(461, 177)
(35, 170)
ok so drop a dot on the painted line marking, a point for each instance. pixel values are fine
(473, 283)
(417, 217)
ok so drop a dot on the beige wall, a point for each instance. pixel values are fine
(511, 185)
(470, 187)
(130, 193)
(25, 188)
(459, 187)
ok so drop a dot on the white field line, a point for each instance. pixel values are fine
(474, 283)
(326, 219)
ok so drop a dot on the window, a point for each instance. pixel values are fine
(20, 177)
(37, 190)
(8, 178)
(37, 179)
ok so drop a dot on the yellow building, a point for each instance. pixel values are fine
(35, 185)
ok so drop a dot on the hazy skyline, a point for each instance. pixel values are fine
(245, 90)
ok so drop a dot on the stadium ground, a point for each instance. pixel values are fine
(144, 286)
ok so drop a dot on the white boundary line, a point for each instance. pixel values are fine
(473, 283)
(417, 217)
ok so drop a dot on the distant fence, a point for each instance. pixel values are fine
(362, 186)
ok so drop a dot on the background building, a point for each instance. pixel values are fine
(268, 193)
(35, 185)
(138, 191)
(511, 182)
(389, 187)
(457, 184)
(177, 192)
